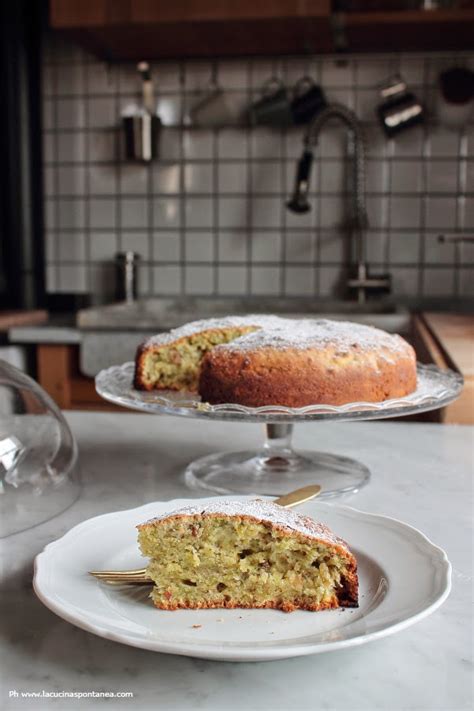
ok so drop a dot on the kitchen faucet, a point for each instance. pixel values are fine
(359, 222)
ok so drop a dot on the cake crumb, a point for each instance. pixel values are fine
(196, 627)
(220, 619)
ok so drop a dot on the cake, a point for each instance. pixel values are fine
(267, 360)
(252, 554)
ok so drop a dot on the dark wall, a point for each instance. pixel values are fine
(21, 198)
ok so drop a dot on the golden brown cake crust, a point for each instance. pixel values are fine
(291, 524)
(295, 378)
(293, 363)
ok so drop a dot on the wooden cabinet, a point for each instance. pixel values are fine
(158, 29)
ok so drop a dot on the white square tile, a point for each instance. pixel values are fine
(166, 212)
(443, 142)
(232, 74)
(71, 247)
(198, 279)
(198, 144)
(466, 282)
(103, 246)
(50, 214)
(199, 212)
(168, 75)
(404, 247)
(412, 70)
(305, 220)
(134, 179)
(437, 252)
(102, 113)
(438, 282)
(170, 144)
(169, 109)
(166, 178)
(232, 280)
(373, 72)
(166, 280)
(265, 280)
(102, 212)
(261, 70)
(49, 147)
(102, 180)
(468, 218)
(198, 75)
(198, 177)
(405, 281)
(331, 281)
(266, 247)
(299, 246)
(346, 96)
(101, 278)
(443, 176)
(71, 213)
(71, 147)
(232, 246)
(333, 176)
(134, 212)
(166, 247)
(47, 114)
(266, 178)
(405, 212)
(376, 243)
(299, 281)
(337, 72)
(333, 245)
(70, 113)
(406, 176)
(138, 242)
(232, 212)
(266, 212)
(102, 145)
(49, 181)
(266, 143)
(51, 279)
(199, 247)
(71, 180)
(409, 143)
(378, 211)
(102, 78)
(232, 143)
(333, 211)
(233, 177)
(144, 280)
(366, 104)
(440, 212)
(51, 246)
(128, 78)
(72, 279)
(333, 144)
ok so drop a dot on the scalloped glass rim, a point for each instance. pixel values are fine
(436, 388)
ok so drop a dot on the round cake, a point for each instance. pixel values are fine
(267, 360)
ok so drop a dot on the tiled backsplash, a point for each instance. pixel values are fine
(209, 216)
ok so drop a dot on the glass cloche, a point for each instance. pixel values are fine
(39, 477)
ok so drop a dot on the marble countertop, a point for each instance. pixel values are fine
(421, 473)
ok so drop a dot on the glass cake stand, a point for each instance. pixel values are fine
(276, 468)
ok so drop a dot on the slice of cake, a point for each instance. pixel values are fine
(246, 554)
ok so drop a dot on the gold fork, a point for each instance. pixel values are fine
(139, 576)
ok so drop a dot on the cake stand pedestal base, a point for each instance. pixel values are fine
(276, 469)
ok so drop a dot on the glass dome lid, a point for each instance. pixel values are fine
(38, 454)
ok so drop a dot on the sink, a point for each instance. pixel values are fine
(164, 313)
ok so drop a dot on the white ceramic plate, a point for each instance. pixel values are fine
(403, 578)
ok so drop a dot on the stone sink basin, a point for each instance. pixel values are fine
(110, 334)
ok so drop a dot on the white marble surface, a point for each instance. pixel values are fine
(421, 474)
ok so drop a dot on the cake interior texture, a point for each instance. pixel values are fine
(217, 561)
(176, 366)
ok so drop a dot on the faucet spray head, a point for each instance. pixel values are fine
(299, 200)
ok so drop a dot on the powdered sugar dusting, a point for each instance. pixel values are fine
(262, 321)
(262, 511)
(284, 333)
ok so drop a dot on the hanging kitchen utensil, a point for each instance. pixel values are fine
(141, 125)
(400, 108)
